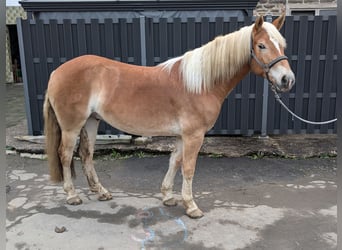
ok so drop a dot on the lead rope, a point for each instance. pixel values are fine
(277, 97)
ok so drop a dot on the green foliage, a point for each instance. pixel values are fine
(215, 155)
(119, 155)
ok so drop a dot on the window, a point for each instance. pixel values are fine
(303, 12)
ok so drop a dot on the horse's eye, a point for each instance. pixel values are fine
(261, 46)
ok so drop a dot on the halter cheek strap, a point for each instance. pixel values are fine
(268, 66)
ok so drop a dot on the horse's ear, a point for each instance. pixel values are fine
(258, 23)
(279, 21)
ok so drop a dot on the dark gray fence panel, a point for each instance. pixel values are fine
(311, 50)
(48, 44)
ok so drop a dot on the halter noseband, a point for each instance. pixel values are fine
(269, 65)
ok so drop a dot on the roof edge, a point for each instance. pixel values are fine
(75, 5)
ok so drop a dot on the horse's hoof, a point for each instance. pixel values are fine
(195, 214)
(170, 203)
(105, 197)
(74, 201)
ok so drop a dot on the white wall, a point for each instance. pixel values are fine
(12, 3)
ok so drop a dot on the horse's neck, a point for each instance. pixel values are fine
(221, 90)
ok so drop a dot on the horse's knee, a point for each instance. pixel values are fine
(188, 173)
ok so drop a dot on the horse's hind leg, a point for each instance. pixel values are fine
(86, 151)
(175, 163)
(65, 151)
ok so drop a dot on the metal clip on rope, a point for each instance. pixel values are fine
(277, 97)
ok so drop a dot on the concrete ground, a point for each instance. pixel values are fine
(267, 203)
(250, 201)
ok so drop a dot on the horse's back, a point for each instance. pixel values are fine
(85, 66)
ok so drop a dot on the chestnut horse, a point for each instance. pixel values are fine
(181, 97)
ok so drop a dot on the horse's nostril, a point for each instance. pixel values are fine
(284, 81)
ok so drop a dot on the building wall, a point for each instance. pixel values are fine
(270, 7)
(9, 72)
(276, 7)
(12, 13)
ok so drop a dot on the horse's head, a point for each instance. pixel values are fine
(267, 54)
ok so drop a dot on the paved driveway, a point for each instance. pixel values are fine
(267, 203)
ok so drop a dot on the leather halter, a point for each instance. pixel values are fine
(268, 66)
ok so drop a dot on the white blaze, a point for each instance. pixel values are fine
(276, 44)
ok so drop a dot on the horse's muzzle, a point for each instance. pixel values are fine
(286, 83)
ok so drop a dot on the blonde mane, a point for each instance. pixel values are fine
(217, 61)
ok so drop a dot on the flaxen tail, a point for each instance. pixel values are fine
(52, 133)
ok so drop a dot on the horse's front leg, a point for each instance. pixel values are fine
(175, 163)
(191, 147)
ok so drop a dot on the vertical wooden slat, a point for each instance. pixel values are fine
(43, 75)
(116, 39)
(163, 39)
(68, 40)
(328, 70)
(271, 114)
(123, 40)
(55, 45)
(81, 37)
(26, 56)
(258, 103)
(149, 41)
(303, 20)
(288, 34)
(39, 70)
(218, 26)
(177, 37)
(231, 101)
(317, 32)
(224, 115)
(204, 30)
(95, 36)
(244, 105)
(109, 42)
(190, 33)
(102, 39)
(137, 42)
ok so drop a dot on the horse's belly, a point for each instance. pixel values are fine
(140, 125)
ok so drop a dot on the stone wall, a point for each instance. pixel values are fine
(276, 7)
(270, 7)
(311, 1)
